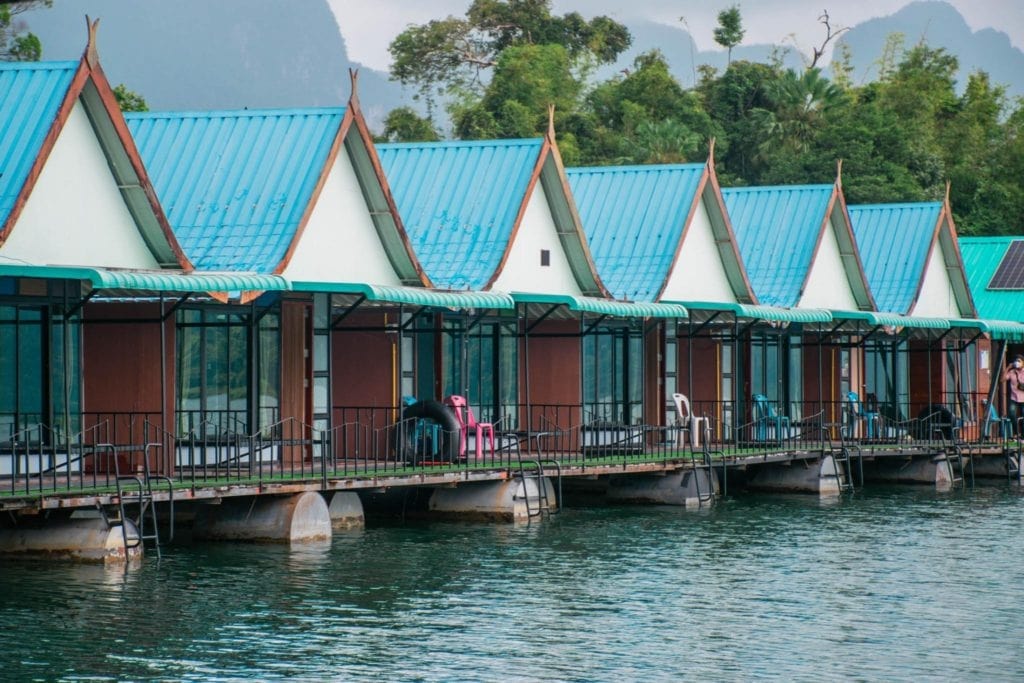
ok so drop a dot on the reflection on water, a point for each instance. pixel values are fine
(889, 584)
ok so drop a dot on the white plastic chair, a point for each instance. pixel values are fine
(686, 420)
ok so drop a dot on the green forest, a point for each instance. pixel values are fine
(901, 138)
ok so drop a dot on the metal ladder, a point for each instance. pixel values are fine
(708, 497)
(535, 469)
(957, 470)
(136, 491)
(1013, 465)
(843, 468)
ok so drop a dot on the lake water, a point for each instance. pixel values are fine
(894, 584)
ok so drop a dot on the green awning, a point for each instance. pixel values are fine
(785, 315)
(759, 312)
(152, 280)
(416, 296)
(997, 329)
(620, 309)
(878, 319)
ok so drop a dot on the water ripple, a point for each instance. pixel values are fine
(895, 584)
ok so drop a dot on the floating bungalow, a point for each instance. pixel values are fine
(263, 321)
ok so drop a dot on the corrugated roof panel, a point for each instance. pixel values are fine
(235, 184)
(458, 202)
(30, 96)
(776, 229)
(982, 256)
(633, 217)
(893, 241)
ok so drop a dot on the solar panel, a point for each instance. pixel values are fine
(1010, 273)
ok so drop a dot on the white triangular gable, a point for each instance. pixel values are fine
(827, 285)
(76, 214)
(698, 273)
(937, 299)
(523, 271)
(340, 242)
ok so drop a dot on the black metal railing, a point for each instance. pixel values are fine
(376, 441)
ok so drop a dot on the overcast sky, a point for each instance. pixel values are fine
(369, 25)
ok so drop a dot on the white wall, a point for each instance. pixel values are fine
(75, 214)
(699, 274)
(937, 299)
(827, 286)
(523, 272)
(340, 242)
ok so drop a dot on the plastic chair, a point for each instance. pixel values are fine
(686, 421)
(765, 417)
(859, 413)
(1004, 424)
(466, 420)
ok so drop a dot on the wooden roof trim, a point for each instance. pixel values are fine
(378, 169)
(577, 222)
(734, 245)
(89, 69)
(524, 201)
(314, 196)
(847, 230)
(697, 198)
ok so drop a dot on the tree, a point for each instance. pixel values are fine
(451, 55)
(729, 32)
(16, 44)
(403, 124)
(129, 100)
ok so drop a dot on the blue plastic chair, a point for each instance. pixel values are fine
(1005, 424)
(858, 413)
(765, 417)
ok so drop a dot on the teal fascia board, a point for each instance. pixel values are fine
(153, 281)
(766, 313)
(783, 315)
(416, 296)
(877, 319)
(619, 309)
(997, 329)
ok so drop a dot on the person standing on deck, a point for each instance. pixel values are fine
(1014, 377)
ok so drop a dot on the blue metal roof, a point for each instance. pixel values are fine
(458, 202)
(30, 96)
(235, 184)
(633, 217)
(776, 229)
(893, 241)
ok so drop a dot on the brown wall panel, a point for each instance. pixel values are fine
(121, 361)
(703, 363)
(654, 373)
(555, 371)
(363, 363)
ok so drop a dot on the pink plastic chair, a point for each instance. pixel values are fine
(466, 420)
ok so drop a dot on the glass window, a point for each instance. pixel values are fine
(483, 365)
(613, 375)
(217, 356)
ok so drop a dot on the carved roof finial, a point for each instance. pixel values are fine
(551, 121)
(353, 97)
(92, 56)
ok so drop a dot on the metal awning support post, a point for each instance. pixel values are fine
(540, 319)
(593, 325)
(65, 364)
(402, 327)
(174, 307)
(68, 312)
(997, 380)
(476, 321)
(522, 321)
(165, 423)
(336, 323)
(692, 332)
